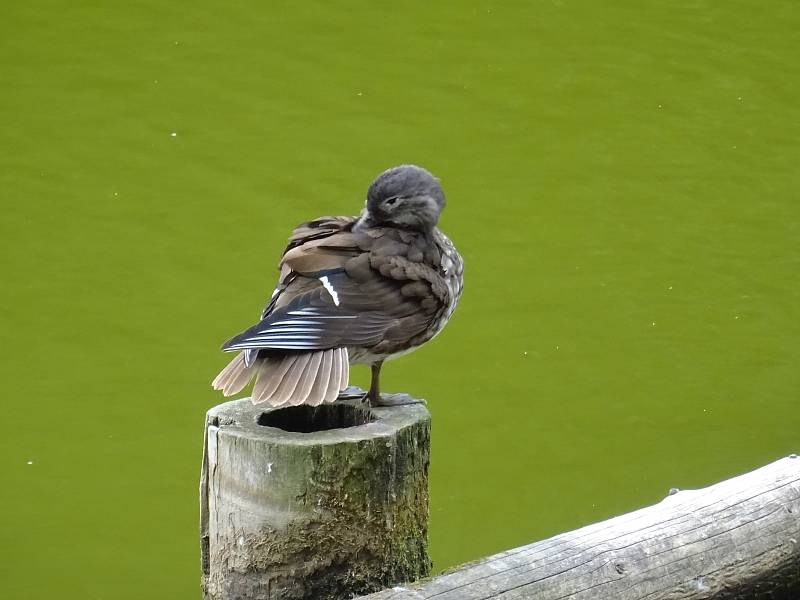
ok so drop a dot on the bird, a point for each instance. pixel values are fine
(351, 290)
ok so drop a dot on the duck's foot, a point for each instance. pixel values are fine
(390, 400)
(382, 400)
(352, 392)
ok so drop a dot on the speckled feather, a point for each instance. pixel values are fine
(348, 293)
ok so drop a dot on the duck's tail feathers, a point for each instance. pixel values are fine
(299, 378)
(234, 377)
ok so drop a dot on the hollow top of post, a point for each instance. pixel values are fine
(301, 424)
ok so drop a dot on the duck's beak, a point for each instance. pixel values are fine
(365, 220)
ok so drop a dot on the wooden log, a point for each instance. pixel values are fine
(313, 502)
(734, 540)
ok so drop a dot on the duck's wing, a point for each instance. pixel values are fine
(340, 287)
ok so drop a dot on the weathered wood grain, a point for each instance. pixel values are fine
(318, 515)
(737, 539)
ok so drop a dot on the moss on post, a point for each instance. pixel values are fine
(321, 503)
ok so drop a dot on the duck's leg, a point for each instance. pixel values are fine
(374, 394)
(377, 399)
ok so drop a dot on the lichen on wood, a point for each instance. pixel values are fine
(322, 515)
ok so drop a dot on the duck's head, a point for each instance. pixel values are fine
(407, 196)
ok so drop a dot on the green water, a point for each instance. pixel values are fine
(622, 180)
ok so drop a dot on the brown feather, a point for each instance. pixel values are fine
(298, 259)
(303, 391)
(222, 378)
(321, 228)
(285, 391)
(297, 373)
(239, 379)
(270, 375)
(232, 379)
(317, 394)
(345, 381)
(332, 391)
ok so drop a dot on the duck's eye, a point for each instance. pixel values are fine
(391, 201)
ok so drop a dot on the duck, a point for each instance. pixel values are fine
(361, 289)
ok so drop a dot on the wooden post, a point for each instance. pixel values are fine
(739, 539)
(313, 502)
